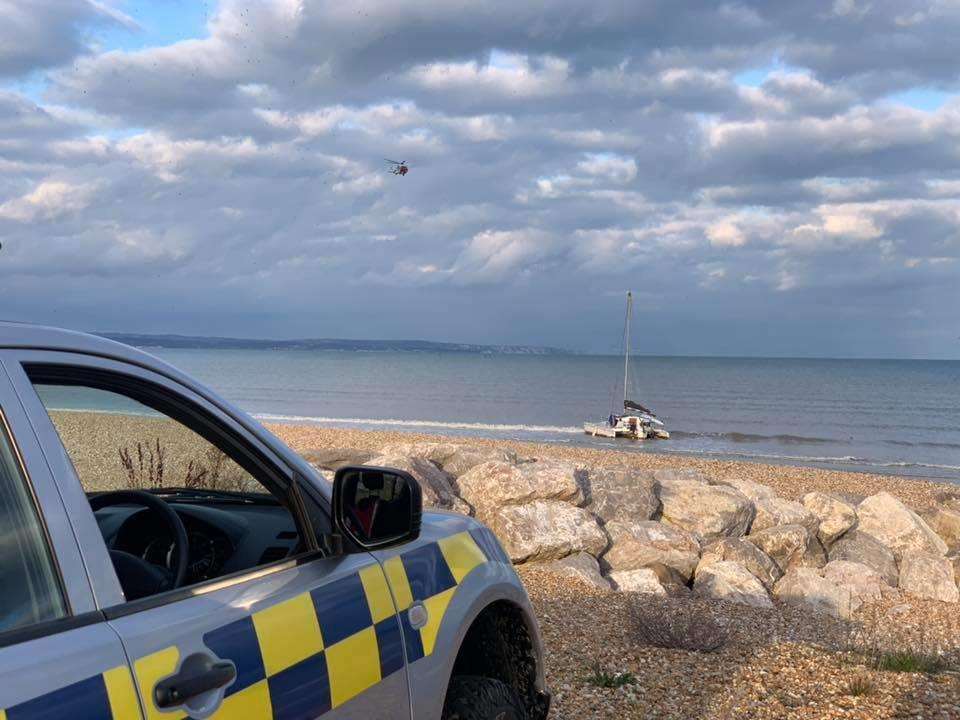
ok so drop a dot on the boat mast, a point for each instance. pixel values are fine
(626, 347)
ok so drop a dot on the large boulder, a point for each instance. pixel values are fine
(546, 530)
(859, 547)
(927, 575)
(779, 511)
(623, 495)
(709, 511)
(641, 580)
(806, 587)
(666, 475)
(454, 458)
(790, 546)
(897, 526)
(493, 484)
(835, 515)
(435, 483)
(732, 582)
(635, 545)
(582, 566)
(945, 522)
(335, 458)
(864, 583)
(752, 490)
(746, 554)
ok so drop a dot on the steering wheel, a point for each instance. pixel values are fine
(140, 578)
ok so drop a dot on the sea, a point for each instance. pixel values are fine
(888, 416)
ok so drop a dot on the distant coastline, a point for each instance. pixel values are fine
(203, 342)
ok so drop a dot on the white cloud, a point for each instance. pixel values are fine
(48, 200)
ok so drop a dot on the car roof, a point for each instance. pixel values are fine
(27, 336)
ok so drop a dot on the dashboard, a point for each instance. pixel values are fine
(223, 538)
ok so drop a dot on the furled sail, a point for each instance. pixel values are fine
(631, 405)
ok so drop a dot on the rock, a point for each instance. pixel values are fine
(335, 458)
(581, 566)
(955, 561)
(927, 575)
(752, 490)
(864, 583)
(859, 547)
(709, 511)
(623, 495)
(673, 582)
(897, 526)
(434, 482)
(790, 546)
(455, 459)
(779, 511)
(747, 554)
(805, 586)
(945, 522)
(642, 544)
(546, 530)
(642, 580)
(730, 581)
(670, 475)
(835, 515)
(493, 484)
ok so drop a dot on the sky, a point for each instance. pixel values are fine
(768, 178)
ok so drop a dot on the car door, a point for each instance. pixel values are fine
(58, 655)
(299, 637)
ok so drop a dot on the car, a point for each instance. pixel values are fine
(165, 556)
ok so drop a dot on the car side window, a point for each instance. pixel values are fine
(31, 592)
(234, 513)
(118, 443)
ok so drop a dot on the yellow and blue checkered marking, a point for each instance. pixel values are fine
(107, 696)
(430, 575)
(304, 656)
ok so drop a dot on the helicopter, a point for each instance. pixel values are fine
(399, 168)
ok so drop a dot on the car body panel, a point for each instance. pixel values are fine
(79, 673)
(455, 570)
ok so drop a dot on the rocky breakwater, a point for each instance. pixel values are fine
(681, 532)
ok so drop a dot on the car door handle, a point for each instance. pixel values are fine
(188, 683)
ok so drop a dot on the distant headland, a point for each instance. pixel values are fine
(227, 343)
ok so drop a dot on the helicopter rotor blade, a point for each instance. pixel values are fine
(393, 161)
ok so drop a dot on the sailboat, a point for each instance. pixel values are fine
(635, 422)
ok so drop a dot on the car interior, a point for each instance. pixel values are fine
(177, 501)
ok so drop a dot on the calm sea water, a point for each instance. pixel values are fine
(886, 416)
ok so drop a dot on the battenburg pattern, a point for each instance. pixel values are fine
(303, 656)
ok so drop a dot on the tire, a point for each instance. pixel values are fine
(471, 697)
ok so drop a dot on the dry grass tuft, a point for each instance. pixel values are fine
(677, 627)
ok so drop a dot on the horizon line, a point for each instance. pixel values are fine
(558, 350)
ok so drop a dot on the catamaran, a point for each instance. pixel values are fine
(635, 422)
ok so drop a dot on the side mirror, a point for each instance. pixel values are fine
(376, 507)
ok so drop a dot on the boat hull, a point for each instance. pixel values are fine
(604, 430)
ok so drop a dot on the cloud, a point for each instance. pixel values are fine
(50, 199)
(717, 159)
(44, 33)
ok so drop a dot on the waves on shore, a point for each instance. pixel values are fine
(393, 422)
(496, 429)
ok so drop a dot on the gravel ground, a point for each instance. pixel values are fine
(781, 663)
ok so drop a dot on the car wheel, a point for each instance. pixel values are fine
(471, 697)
